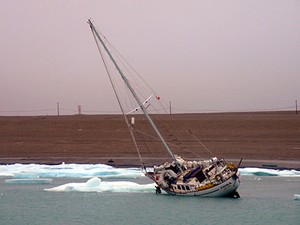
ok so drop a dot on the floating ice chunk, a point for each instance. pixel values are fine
(5, 174)
(287, 173)
(258, 172)
(296, 197)
(93, 182)
(96, 185)
(28, 181)
(69, 171)
(33, 171)
(269, 172)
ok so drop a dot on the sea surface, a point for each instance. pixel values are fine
(100, 194)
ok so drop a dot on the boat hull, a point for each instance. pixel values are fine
(227, 188)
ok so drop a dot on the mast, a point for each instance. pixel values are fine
(132, 91)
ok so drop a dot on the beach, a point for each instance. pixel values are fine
(261, 139)
(76, 188)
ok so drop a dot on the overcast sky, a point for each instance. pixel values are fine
(201, 55)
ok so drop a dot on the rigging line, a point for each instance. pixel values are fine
(141, 140)
(140, 89)
(118, 99)
(187, 129)
(156, 138)
(184, 148)
(131, 103)
(135, 96)
(191, 133)
(197, 139)
(133, 69)
(127, 66)
(130, 71)
(164, 109)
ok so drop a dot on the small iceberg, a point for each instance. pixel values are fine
(29, 181)
(96, 185)
(296, 197)
(29, 171)
(5, 174)
(34, 171)
(269, 172)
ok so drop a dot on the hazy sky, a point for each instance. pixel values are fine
(201, 55)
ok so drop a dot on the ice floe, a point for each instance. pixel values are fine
(269, 172)
(29, 181)
(34, 171)
(96, 185)
(296, 197)
(31, 171)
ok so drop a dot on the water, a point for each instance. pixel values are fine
(264, 199)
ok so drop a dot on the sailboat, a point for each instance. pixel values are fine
(213, 177)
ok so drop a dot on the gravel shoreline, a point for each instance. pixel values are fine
(262, 139)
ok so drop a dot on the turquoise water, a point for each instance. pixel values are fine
(267, 200)
(264, 200)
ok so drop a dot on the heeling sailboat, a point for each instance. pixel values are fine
(213, 177)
